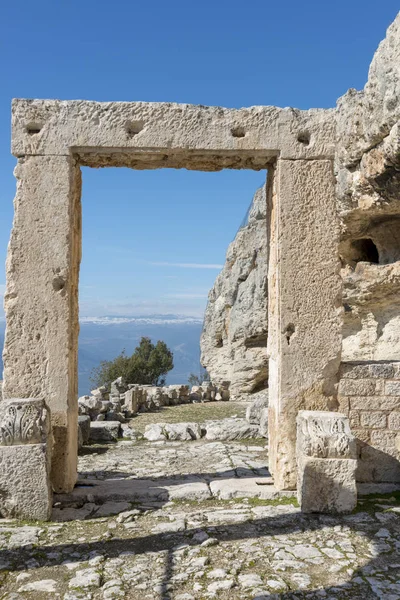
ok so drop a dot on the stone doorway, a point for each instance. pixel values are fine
(52, 139)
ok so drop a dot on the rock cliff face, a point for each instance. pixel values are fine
(368, 197)
(234, 337)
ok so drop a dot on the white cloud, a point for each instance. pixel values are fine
(186, 265)
(187, 296)
(162, 306)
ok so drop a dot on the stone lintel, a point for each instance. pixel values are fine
(146, 135)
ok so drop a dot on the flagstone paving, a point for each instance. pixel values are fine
(182, 539)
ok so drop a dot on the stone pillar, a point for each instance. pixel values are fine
(304, 303)
(25, 457)
(131, 400)
(41, 300)
(326, 463)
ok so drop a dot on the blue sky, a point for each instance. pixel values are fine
(153, 240)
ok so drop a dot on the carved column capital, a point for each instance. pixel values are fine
(24, 421)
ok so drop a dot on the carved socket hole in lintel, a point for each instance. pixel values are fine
(304, 138)
(289, 331)
(132, 128)
(33, 128)
(58, 283)
(238, 132)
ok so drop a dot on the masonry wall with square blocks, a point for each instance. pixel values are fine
(369, 393)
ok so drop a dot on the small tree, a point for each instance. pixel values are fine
(149, 364)
(203, 376)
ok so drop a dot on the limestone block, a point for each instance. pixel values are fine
(84, 424)
(90, 405)
(25, 459)
(357, 387)
(394, 421)
(100, 392)
(25, 488)
(167, 127)
(374, 420)
(253, 412)
(326, 463)
(118, 387)
(392, 388)
(155, 432)
(230, 429)
(182, 431)
(374, 403)
(131, 400)
(304, 293)
(41, 300)
(105, 431)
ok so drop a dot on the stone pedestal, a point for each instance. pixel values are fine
(25, 459)
(326, 463)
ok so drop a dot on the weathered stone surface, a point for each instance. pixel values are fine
(169, 127)
(41, 300)
(304, 288)
(316, 213)
(131, 400)
(234, 336)
(256, 409)
(24, 421)
(182, 431)
(230, 429)
(368, 185)
(84, 424)
(25, 488)
(326, 463)
(105, 431)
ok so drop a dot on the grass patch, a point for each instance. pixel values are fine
(368, 503)
(284, 500)
(194, 413)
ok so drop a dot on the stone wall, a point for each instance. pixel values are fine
(234, 337)
(369, 393)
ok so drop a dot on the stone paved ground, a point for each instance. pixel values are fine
(205, 547)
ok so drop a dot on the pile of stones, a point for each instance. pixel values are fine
(103, 415)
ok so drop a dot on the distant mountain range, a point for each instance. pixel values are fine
(103, 338)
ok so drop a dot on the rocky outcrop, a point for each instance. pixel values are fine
(234, 337)
(368, 200)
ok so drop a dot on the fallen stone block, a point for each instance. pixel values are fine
(253, 412)
(155, 432)
(230, 429)
(105, 431)
(84, 425)
(89, 405)
(112, 415)
(182, 431)
(131, 400)
(326, 463)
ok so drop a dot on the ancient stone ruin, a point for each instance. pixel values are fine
(333, 209)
